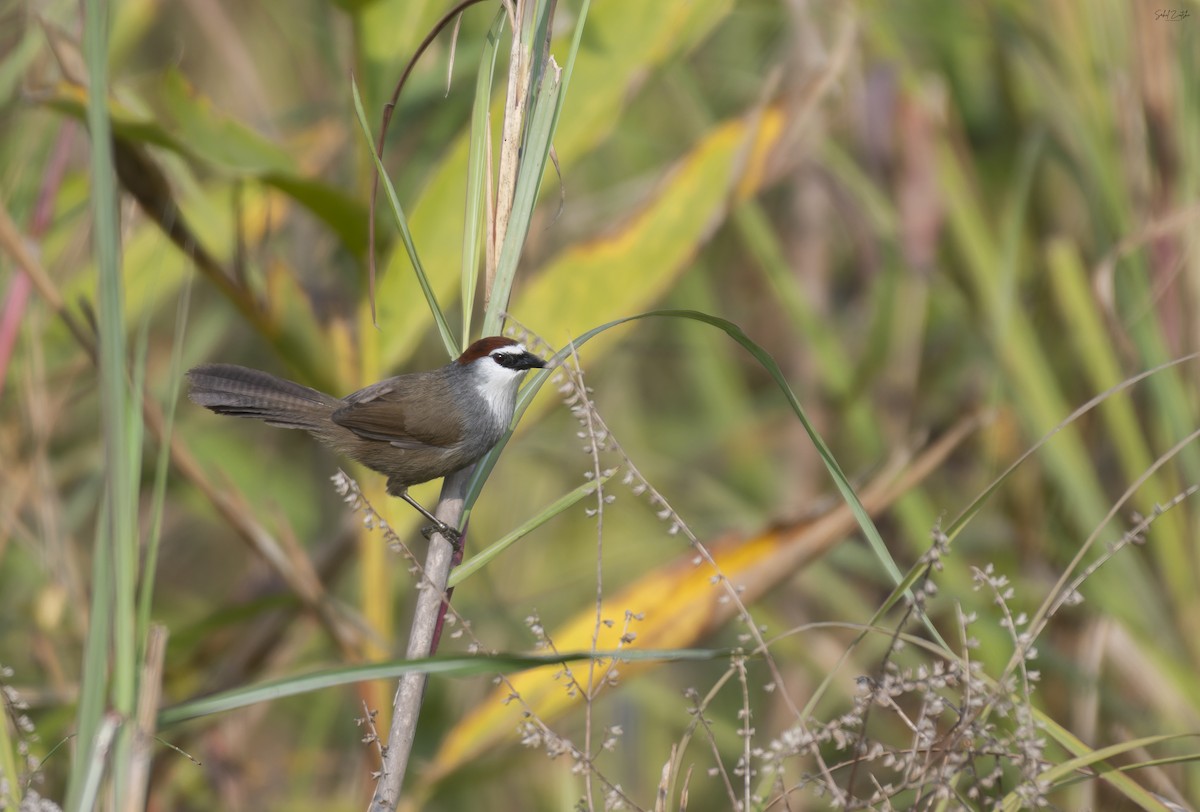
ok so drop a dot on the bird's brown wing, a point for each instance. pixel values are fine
(408, 412)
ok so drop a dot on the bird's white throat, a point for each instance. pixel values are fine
(497, 385)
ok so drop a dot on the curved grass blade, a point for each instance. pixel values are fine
(977, 504)
(483, 469)
(1086, 758)
(447, 666)
(439, 317)
(477, 562)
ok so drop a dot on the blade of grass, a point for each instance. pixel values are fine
(446, 666)
(116, 526)
(162, 467)
(1097, 356)
(476, 170)
(93, 685)
(1104, 770)
(978, 502)
(127, 644)
(452, 347)
(525, 397)
(481, 559)
(537, 35)
(1011, 332)
(1086, 757)
(569, 67)
(535, 151)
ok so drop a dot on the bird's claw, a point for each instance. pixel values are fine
(452, 535)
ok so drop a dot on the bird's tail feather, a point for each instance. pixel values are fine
(242, 392)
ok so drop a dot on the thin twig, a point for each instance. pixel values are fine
(595, 444)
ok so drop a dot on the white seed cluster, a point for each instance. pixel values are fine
(13, 709)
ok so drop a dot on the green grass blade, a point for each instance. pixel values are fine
(1087, 757)
(392, 669)
(480, 560)
(770, 365)
(1098, 360)
(116, 532)
(93, 684)
(977, 504)
(535, 151)
(162, 468)
(476, 155)
(569, 67)
(452, 347)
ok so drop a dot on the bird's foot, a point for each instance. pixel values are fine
(452, 535)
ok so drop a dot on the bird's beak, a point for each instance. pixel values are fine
(529, 361)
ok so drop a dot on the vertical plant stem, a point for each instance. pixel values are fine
(406, 709)
(521, 163)
(510, 139)
(147, 709)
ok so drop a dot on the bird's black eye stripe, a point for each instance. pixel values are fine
(506, 359)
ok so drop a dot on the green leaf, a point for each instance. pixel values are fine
(216, 139)
(245, 155)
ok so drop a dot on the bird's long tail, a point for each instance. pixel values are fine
(242, 392)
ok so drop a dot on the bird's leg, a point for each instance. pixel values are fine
(439, 526)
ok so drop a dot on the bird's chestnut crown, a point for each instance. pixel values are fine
(503, 351)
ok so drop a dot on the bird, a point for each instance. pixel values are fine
(411, 428)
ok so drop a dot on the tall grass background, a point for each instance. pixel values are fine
(951, 237)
